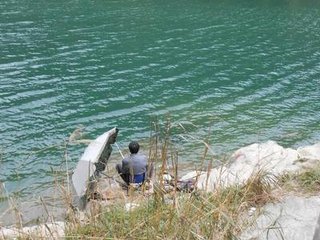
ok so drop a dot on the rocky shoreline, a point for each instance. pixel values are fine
(292, 217)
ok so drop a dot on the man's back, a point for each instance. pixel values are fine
(135, 164)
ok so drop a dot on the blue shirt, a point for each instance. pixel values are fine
(134, 164)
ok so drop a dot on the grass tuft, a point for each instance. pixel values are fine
(305, 182)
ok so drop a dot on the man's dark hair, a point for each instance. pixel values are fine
(134, 147)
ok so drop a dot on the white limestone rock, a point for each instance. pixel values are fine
(44, 231)
(294, 218)
(316, 235)
(310, 153)
(268, 157)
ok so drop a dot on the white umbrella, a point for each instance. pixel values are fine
(98, 151)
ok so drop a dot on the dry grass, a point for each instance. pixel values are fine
(221, 214)
(306, 182)
(196, 215)
(176, 215)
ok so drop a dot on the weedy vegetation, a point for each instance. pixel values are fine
(306, 182)
(221, 214)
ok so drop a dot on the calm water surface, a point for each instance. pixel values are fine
(233, 72)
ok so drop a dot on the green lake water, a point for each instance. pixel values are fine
(233, 72)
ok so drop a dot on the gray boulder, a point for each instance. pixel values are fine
(268, 157)
(294, 218)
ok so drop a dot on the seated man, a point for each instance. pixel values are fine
(134, 168)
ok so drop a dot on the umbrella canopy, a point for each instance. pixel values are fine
(97, 153)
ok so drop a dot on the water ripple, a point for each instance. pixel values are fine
(213, 65)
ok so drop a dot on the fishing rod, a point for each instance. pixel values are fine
(119, 150)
